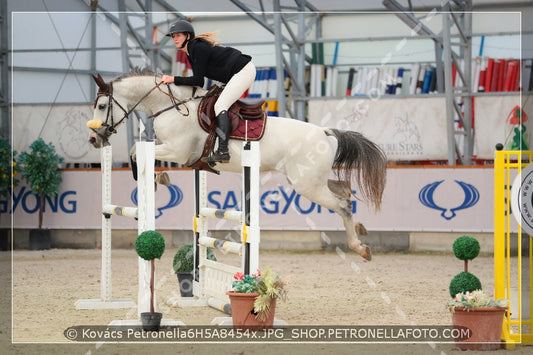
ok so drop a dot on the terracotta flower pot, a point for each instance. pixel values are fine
(485, 324)
(242, 311)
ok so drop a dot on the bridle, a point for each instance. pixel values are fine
(106, 89)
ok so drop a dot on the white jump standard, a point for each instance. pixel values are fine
(106, 301)
(145, 215)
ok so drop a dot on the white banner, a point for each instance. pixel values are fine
(65, 127)
(415, 199)
(406, 129)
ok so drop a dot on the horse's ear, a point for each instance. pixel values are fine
(102, 85)
(98, 80)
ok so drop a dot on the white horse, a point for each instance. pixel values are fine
(304, 152)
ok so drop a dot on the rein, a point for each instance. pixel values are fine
(176, 103)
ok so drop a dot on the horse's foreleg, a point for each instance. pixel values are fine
(161, 177)
(133, 162)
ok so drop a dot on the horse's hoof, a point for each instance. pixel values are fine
(360, 229)
(367, 255)
(162, 178)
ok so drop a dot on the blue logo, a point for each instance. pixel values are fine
(426, 198)
(277, 201)
(176, 196)
(24, 198)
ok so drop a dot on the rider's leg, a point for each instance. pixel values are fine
(223, 131)
(233, 90)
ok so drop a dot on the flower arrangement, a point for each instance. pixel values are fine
(267, 284)
(471, 300)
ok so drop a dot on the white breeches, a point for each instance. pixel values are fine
(235, 87)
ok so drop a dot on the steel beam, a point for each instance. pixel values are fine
(294, 66)
(458, 98)
(4, 74)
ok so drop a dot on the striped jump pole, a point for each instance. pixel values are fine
(212, 279)
(251, 158)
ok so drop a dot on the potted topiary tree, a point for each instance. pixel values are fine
(8, 181)
(40, 169)
(465, 248)
(149, 246)
(183, 265)
(471, 308)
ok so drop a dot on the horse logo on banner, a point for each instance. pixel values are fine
(426, 198)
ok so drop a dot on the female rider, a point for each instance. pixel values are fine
(224, 64)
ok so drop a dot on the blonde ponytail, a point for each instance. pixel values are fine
(209, 37)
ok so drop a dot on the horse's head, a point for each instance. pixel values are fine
(138, 90)
(103, 124)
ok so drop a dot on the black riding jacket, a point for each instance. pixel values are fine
(214, 62)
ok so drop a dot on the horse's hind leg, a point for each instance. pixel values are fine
(353, 231)
(339, 188)
(335, 196)
(342, 190)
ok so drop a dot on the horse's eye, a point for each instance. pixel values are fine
(102, 106)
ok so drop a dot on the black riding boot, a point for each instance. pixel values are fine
(223, 132)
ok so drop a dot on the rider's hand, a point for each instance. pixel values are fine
(167, 79)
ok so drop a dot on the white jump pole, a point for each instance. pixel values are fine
(145, 216)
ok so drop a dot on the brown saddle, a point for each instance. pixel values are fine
(247, 117)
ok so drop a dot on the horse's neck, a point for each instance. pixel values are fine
(141, 90)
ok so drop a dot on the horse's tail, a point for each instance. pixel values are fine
(356, 153)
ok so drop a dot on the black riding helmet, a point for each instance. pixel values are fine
(181, 26)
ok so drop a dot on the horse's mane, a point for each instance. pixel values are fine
(148, 72)
(137, 71)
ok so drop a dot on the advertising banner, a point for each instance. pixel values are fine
(415, 199)
(64, 127)
(406, 129)
(415, 128)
